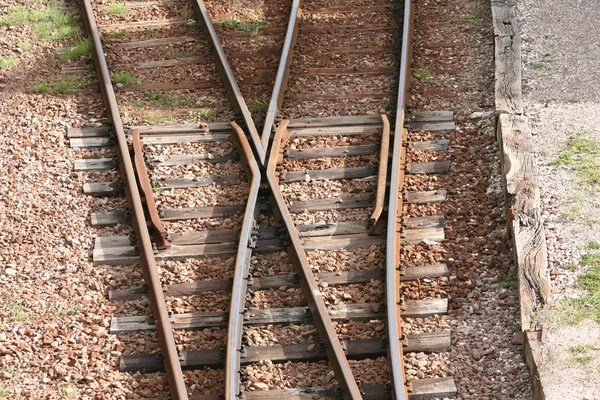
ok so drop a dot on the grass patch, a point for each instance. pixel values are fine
(26, 46)
(47, 24)
(582, 156)
(117, 9)
(260, 106)
(4, 392)
(202, 114)
(7, 63)
(165, 101)
(466, 19)
(570, 267)
(540, 66)
(62, 85)
(181, 54)
(82, 48)
(422, 73)
(583, 348)
(593, 246)
(116, 34)
(507, 280)
(68, 391)
(253, 26)
(572, 101)
(125, 78)
(156, 120)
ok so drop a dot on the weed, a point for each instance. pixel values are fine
(26, 46)
(467, 19)
(191, 22)
(181, 54)
(42, 87)
(593, 246)
(117, 9)
(68, 391)
(165, 101)
(202, 114)
(542, 65)
(570, 267)
(422, 73)
(62, 85)
(260, 106)
(581, 155)
(125, 78)
(151, 31)
(508, 280)
(81, 49)
(7, 63)
(254, 26)
(155, 120)
(18, 312)
(4, 392)
(572, 101)
(583, 348)
(116, 34)
(47, 24)
(157, 188)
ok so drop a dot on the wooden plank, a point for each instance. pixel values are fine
(337, 203)
(335, 121)
(504, 18)
(107, 218)
(508, 75)
(432, 196)
(342, 71)
(436, 167)
(91, 142)
(185, 183)
(142, 24)
(317, 51)
(524, 209)
(99, 164)
(183, 85)
(425, 234)
(335, 151)
(175, 139)
(189, 159)
(339, 228)
(416, 126)
(311, 132)
(532, 342)
(435, 221)
(304, 352)
(353, 10)
(432, 116)
(349, 28)
(432, 388)
(425, 271)
(88, 132)
(156, 42)
(298, 315)
(211, 128)
(423, 389)
(337, 96)
(178, 214)
(430, 145)
(327, 174)
(172, 62)
(343, 241)
(111, 241)
(102, 188)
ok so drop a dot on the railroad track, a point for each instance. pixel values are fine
(298, 278)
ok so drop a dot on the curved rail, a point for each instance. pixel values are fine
(155, 293)
(233, 90)
(394, 214)
(335, 351)
(241, 276)
(283, 72)
(381, 176)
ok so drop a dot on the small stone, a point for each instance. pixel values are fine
(10, 271)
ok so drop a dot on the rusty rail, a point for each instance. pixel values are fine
(233, 90)
(283, 71)
(242, 274)
(157, 229)
(155, 293)
(374, 221)
(393, 268)
(335, 351)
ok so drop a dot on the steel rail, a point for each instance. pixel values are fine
(155, 293)
(381, 176)
(247, 242)
(335, 351)
(233, 90)
(393, 301)
(283, 72)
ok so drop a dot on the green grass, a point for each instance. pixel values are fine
(7, 63)
(581, 155)
(260, 106)
(583, 348)
(68, 391)
(47, 24)
(125, 78)
(116, 34)
(542, 65)
(82, 48)
(62, 85)
(508, 279)
(202, 114)
(253, 26)
(26, 46)
(181, 54)
(467, 19)
(156, 120)
(572, 101)
(4, 392)
(165, 101)
(570, 267)
(593, 246)
(422, 73)
(117, 9)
